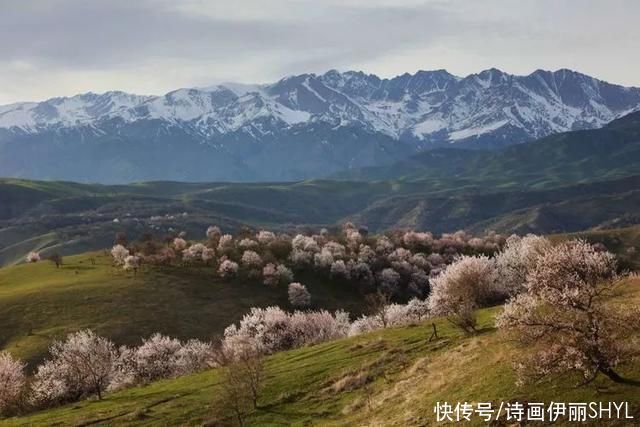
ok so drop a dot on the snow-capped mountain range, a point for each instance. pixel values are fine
(383, 119)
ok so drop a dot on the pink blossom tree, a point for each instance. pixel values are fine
(274, 275)
(33, 257)
(463, 287)
(299, 296)
(179, 244)
(568, 320)
(265, 237)
(12, 382)
(228, 269)
(80, 366)
(226, 245)
(251, 260)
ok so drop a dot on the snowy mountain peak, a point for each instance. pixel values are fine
(428, 107)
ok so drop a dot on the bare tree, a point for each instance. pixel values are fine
(378, 306)
(120, 238)
(56, 258)
(241, 384)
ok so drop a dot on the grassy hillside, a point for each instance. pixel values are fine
(39, 302)
(390, 377)
(73, 218)
(562, 209)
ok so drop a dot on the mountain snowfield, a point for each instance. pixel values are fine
(348, 119)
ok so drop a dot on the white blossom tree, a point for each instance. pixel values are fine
(271, 329)
(517, 259)
(464, 286)
(80, 366)
(33, 257)
(251, 260)
(226, 244)
(416, 240)
(389, 279)
(119, 254)
(193, 356)
(194, 252)
(265, 237)
(247, 244)
(339, 269)
(568, 319)
(12, 382)
(366, 254)
(179, 244)
(228, 269)
(208, 254)
(132, 263)
(156, 358)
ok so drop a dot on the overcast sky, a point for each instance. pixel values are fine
(63, 47)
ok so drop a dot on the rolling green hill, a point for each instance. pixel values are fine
(563, 183)
(72, 218)
(389, 377)
(39, 303)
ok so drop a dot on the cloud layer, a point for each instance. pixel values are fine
(62, 47)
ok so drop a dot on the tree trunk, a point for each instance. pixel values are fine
(434, 335)
(616, 378)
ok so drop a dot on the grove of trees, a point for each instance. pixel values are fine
(560, 306)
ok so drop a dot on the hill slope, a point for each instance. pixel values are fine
(560, 159)
(73, 218)
(39, 303)
(403, 376)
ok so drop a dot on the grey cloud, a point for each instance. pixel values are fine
(194, 41)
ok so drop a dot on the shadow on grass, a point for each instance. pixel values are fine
(78, 267)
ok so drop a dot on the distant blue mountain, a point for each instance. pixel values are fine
(299, 127)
